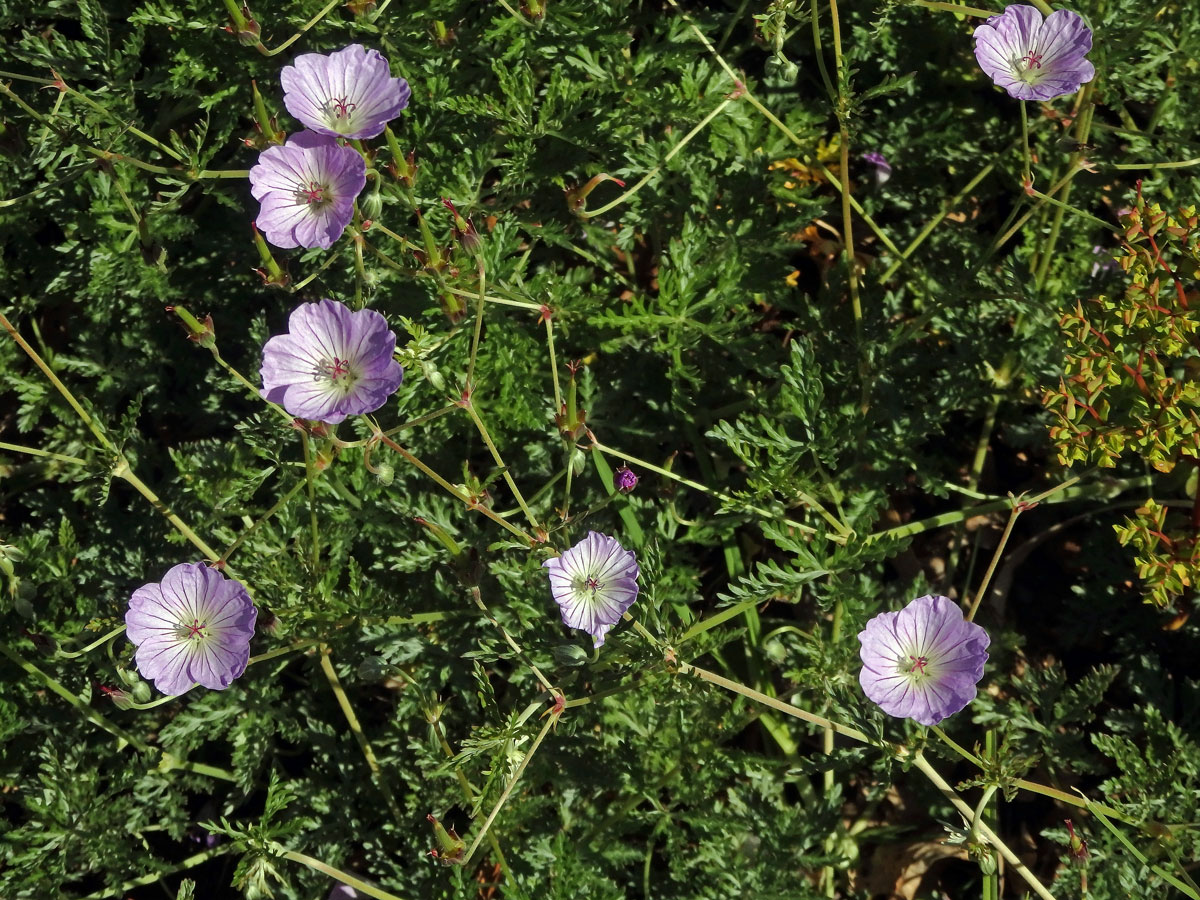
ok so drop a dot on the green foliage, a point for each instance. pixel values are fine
(819, 436)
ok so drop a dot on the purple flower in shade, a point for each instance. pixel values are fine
(883, 169)
(193, 627)
(307, 189)
(626, 479)
(923, 662)
(332, 363)
(1034, 59)
(594, 583)
(349, 94)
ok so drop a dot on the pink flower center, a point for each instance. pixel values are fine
(195, 631)
(335, 371)
(1032, 60)
(918, 664)
(341, 108)
(313, 194)
(592, 583)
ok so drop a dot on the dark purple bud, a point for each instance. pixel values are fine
(626, 479)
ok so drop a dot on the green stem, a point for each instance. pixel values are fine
(508, 479)
(455, 492)
(99, 642)
(337, 874)
(356, 729)
(477, 596)
(984, 831)
(303, 28)
(954, 7)
(190, 863)
(312, 501)
(512, 783)
(46, 454)
(1082, 131)
(592, 213)
(279, 504)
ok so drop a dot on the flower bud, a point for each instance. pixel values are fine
(141, 692)
(464, 230)
(385, 473)
(270, 272)
(370, 203)
(626, 479)
(450, 848)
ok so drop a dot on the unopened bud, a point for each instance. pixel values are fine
(626, 479)
(1076, 846)
(242, 24)
(450, 848)
(201, 333)
(370, 204)
(386, 473)
(263, 118)
(141, 692)
(119, 698)
(464, 230)
(270, 271)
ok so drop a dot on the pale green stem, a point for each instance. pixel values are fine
(847, 222)
(190, 863)
(843, 532)
(455, 492)
(592, 213)
(279, 504)
(759, 697)
(984, 831)
(933, 223)
(1179, 885)
(303, 28)
(1026, 159)
(167, 762)
(312, 501)
(99, 642)
(1075, 209)
(558, 401)
(1082, 131)
(478, 322)
(977, 818)
(421, 420)
(954, 7)
(283, 651)
(512, 783)
(337, 874)
(469, 793)
(508, 479)
(991, 570)
(503, 301)
(122, 470)
(1181, 164)
(512, 12)
(34, 451)
(477, 596)
(356, 729)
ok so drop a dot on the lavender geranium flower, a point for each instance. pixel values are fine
(349, 94)
(193, 627)
(594, 583)
(1034, 59)
(924, 661)
(332, 363)
(307, 189)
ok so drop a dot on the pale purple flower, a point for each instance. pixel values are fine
(594, 583)
(349, 94)
(1034, 59)
(626, 479)
(922, 662)
(883, 169)
(193, 627)
(332, 363)
(307, 189)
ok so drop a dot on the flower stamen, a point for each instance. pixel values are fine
(1032, 60)
(336, 371)
(313, 194)
(342, 109)
(918, 664)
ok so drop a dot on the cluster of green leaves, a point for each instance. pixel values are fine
(794, 450)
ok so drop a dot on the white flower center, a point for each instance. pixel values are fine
(1029, 67)
(338, 112)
